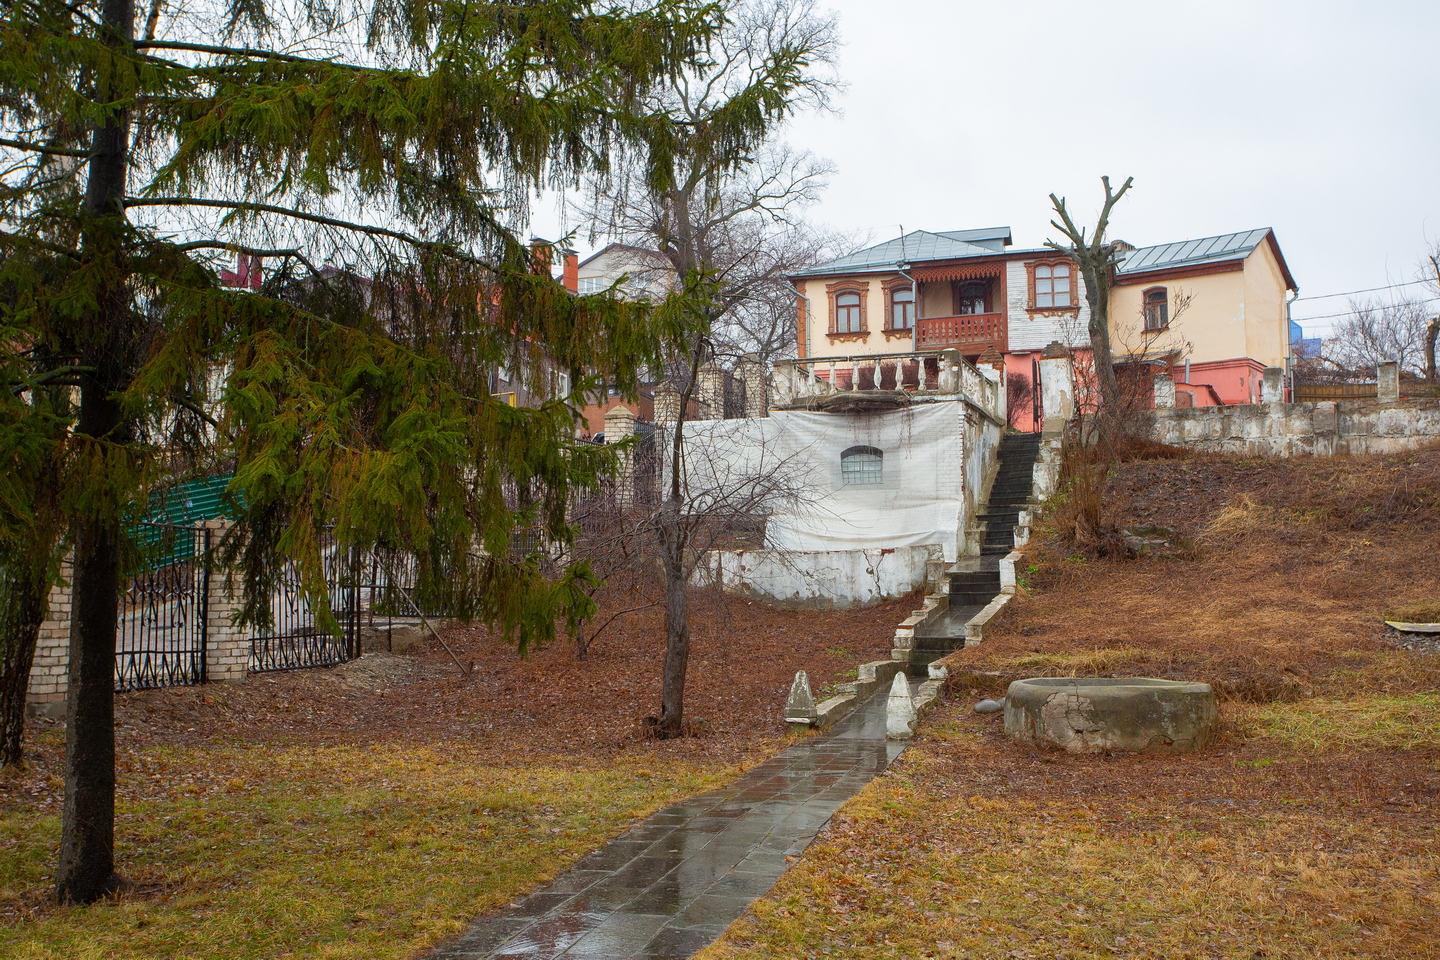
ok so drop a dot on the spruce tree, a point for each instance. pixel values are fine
(145, 148)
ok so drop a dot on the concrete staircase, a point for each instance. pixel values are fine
(975, 581)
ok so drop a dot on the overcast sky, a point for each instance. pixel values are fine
(1319, 119)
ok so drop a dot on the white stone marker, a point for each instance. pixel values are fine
(900, 716)
(800, 708)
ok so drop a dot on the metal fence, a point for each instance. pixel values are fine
(161, 635)
(298, 636)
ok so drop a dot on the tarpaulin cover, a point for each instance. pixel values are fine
(916, 500)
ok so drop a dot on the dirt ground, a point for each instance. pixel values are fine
(547, 705)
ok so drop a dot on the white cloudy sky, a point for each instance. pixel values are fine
(1319, 119)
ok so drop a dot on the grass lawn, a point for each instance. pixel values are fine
(343, 851)
(374, 809)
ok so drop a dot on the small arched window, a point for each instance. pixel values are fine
(862, 465)
(1052, 285)
(1157, 308)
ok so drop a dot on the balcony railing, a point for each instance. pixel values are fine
(876, 378)
(972, 333)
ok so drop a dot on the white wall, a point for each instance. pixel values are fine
(825, 580)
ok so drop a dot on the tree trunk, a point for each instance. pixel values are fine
(86, 869)
(22, 609)
(1432, 331)
(677, 621)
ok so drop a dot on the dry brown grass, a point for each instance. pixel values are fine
(1307, 831)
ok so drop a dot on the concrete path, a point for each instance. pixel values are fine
(675, 882)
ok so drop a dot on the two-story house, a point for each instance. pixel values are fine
(969, 290)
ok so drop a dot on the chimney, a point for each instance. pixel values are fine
(570, 277)
(540, 255)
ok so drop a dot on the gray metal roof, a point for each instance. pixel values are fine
(1185, 253)
(917, 246)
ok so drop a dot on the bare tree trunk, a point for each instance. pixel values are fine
(1096, 258)
(674, 541)
(1432, 332)
(86, 869)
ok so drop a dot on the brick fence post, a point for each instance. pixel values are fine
(50, 670)
(227, 647)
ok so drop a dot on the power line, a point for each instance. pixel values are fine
(1348, 293)
(1351, 313)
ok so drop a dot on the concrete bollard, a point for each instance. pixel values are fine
(900, 716)
(1387, 382)
(1272, 385)
(800, 707)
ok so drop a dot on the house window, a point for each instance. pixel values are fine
(1052, 286)
(1157, 308)
(970, 298)
(862, 465)
(591, 285)
(847, 307)
(899, 304)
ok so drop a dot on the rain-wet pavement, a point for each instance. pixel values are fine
(675, 882)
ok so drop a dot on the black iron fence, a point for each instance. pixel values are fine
(299, 634)
(161, 636)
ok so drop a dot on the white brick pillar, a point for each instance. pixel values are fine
(620, 425)
(1272, 385)
(1164, 390)
(667, 412)
(50, 670)
(227, 647)
(710, 390)
(1387, 382)
(1057, 382)
(752, 374)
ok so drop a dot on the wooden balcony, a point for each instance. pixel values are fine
(970, 334)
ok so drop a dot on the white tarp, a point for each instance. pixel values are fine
(917, 501)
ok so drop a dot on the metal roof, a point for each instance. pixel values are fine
(1185, 253)
(917, 246)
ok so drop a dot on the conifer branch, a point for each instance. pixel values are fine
(255, 54)
(295, 214)
(41, 148)
(189, 403)
(20, 239)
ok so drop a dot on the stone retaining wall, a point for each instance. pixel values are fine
(1323, 429)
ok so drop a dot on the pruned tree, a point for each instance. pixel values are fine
(398, 140)
(718, 215)
(1432, 326)
(1096, 257)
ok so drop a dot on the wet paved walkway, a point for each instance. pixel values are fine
(675, 882)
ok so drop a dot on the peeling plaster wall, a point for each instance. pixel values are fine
(829, 580)
(1300, 429)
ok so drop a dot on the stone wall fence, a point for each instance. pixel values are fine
(1327, 428)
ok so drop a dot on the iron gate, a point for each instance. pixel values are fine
(297, 638)
(160, 637)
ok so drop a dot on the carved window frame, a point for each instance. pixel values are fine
(890, 288)
(1034, 265)
(833, 291)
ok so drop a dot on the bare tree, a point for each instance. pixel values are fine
(1096, 258)
(717, 214)
(1377, 332)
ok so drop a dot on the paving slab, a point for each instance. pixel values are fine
(674, 882)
